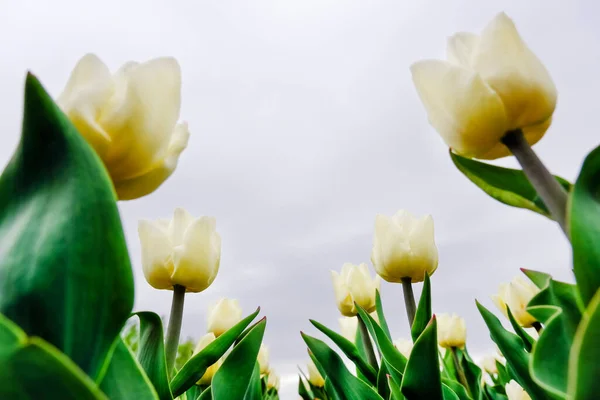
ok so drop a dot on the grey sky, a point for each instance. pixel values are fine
(304, 125)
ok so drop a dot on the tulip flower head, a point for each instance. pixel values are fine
(272, 380)
(515, 392)
(348, 327)
(489, 85)
(404, 346)
(404, 247)
(223, 315)
(263, 359)
(184, 251)
(352, 285)
(516, 295)
(130, 119)
(212, 370)
(452, 331)
(314, 376)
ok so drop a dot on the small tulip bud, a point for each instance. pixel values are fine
(354, 285)
(223, 315)
(516, 295)
(314, 376)
(452, 331)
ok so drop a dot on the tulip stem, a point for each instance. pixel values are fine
(460, 371)
(547, 187)
(174, 329)
(366, 340)
(409, 300)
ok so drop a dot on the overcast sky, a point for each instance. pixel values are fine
(304, 125)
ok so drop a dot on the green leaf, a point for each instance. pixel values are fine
(495, 392)
(584, 226)
(458, 389)
(304, 390)
(33, 369)
(448, 394)
(233, 377)
(527, 340)
(472, 372)
(508, 186)
(343, 382)
(381, 315)
(254, 389)
(194, 392)
(584, 368)
(395, 393)
(512, 348)
(423, 314)
(64, 251)
(206, 395)
(193, 370)
(539, 279)
(350, 350)
(125, 378)
(383, 387)
(422, 378)
(503, 376)
(151, 353)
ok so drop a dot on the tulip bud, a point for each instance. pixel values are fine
(130, 119)
(491, 84)
(452, 331)
(354, 284)
(184, 251)
(263, 359)
(314, 376)
(489, 364)
(515, 392)
(272, 380)
(223, 315)
(404, 346)
(404, 247)
(516, 295)
(212, 370)
(348, 327)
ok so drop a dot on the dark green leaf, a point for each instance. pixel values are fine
(206, 394)
(383, 387)
(472, 373)
(395, 393)
(304, 390)
(254, 390)
(381, 315)
(423, 314)
(448, 394)
(194, 392)
(65, 273)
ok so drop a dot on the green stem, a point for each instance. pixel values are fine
(460, 371)
(174, 329)
(547, 187)
(366, 339)
(409, 300)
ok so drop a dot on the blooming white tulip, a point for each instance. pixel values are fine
(404, 346)
(516, 295)
(212, 370)
(515, 392)
(130, 119)
(263, 358)
(490, 84)
(452, 331)
(354, 284)
(223, 315)
(314, 376)
(272, 380)
(404, 247)
(184, 251)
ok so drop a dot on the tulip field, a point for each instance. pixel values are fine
(67, 326)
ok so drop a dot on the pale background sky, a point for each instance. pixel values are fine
(304, 125)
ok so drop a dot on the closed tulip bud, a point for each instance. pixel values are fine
(272, 380)
(515, 392)
(130, 119)
(354, 285)
(348, 327)
(404, 346)
(516, 295)
(452, 331)
(404, 247)
(223, 315)
(489, 364)
(314, 376)
(490, 84)
(263, 358)
(212, 370)
(184, 251)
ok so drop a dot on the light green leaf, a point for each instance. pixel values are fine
(254, 390)
(381, 315)
(423, 314)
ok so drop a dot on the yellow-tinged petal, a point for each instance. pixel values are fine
(223, 315)
(466, 112)
(460, 48)
(157, 263)
(532, 134)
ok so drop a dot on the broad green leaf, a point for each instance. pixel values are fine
(527, 340)
(422, 378)
(539, 279)
(472, 373)
(584, 226)
(196, 366)
(395, 392)
(383, 387)
(584, 368)
(151, 353)
(125, 378)
(381, 315)
(448, 394)
(350, 350)
(233, 377)
(503, 376)
(423, 314)
(343, 382)
(65, 273)
(513, 349)
(30, 368)
(194, 392)
(508, 186)
(254, 389)
(304, 390)
(206, 394)
(457, 388)
(449, 369)
(495, 392)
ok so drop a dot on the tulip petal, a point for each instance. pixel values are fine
(156, 254)
(178, 226)
(520, 79)
(460, 48)
(143, 185)
(532, 134)
(465, 111)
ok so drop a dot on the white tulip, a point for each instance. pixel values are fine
(516, 295)
(452, 331)
(184, 251)
(272, 380)
(490, 84)
(515, 392)
(130, 119)
(348, 327)
(354, 284)
(314, 376)
(223, 315)
(404, 247)
(404, 346)
(489, 364)
(263, 358)
(212, 370)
